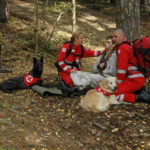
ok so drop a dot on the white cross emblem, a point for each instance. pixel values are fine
(29, 78)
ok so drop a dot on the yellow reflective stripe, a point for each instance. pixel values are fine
(121, 71)
(66, 67)
(132, 68)
(119, 81)
(135, 76)
(60, 63)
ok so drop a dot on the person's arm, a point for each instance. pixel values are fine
(91, 53)
(122, 62)
(61, 58)
(95, 66)
(111, 68)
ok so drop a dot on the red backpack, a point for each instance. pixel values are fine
(141, 49)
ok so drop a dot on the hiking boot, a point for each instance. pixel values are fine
(86, 89)
(67, 91)
(143, 96)
(83, 91)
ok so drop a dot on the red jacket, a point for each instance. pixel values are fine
(74, 56)
(126, 63)
(143, 59)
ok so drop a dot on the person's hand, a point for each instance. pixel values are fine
(74, 71)
(102, 65)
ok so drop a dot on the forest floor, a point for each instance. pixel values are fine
(30, 122)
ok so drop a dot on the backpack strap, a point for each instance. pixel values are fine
(82, 50)
(70, 48)
(68, 53)
(127, 42)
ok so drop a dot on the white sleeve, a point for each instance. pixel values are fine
(94, 67)
(110, 70)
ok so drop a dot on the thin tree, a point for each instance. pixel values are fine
(55, 25)
(4, 13)
(44, 13)
(128, 17)
(36, 4)
(73, 15)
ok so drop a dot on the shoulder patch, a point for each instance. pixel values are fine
(63, 49)
(118, 52)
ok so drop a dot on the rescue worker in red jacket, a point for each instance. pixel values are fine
(69, 63)
(142, 51)
(129, 78)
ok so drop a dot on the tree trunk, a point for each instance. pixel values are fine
(147, 5)
(4, 14)
(112, 1)
(74, 16)
(128, 17)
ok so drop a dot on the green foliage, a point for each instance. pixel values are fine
(12, 20)
(27, 42)
(96, 4)
(11, 148)
(59, 7)
(53, 46)
(4, 104)
(71, 143)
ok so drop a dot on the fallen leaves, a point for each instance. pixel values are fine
(33, 139)
(115, 130)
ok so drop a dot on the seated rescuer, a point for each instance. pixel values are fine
(69, 61)
(129, 78)
(105, 65)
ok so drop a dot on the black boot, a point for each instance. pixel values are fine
(85, 90)
(67, 91)
(143, 96)
(82, 92)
